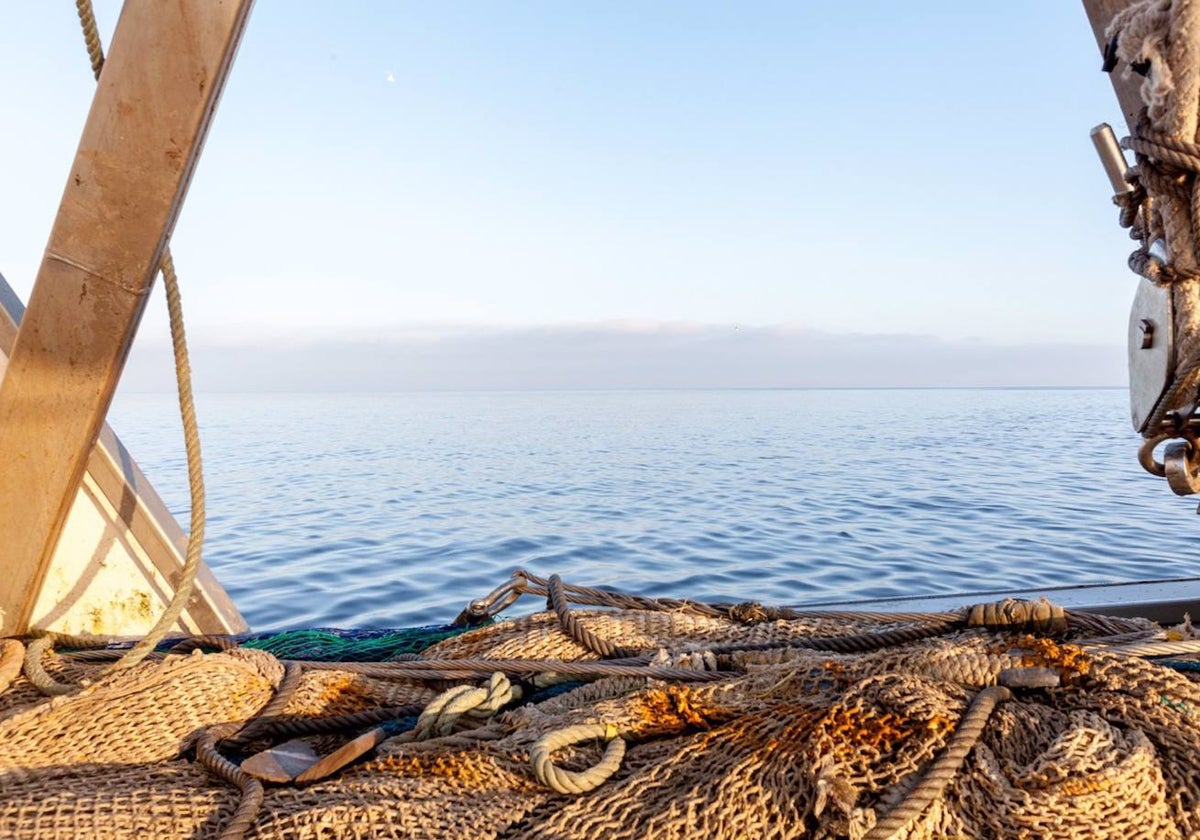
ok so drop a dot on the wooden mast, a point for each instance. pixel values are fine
(154, 102)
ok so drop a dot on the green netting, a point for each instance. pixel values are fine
(327, 644)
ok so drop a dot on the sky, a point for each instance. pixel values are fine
(455, 194)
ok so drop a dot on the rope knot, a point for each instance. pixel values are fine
(750, 613)
(1039, 616)
(463, 705)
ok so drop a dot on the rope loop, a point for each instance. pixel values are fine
(556, 600)
(571, 781)
(464, 703)
(1039, 616)
(1165, 148)
(46, 640)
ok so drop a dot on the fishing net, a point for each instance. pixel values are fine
(631, 718)
(337, 645)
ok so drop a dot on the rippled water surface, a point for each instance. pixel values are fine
(397, 509)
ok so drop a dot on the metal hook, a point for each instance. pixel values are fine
(1146, 455)
(1183, 472)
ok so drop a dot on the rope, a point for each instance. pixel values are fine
(556, 600)
(220, 643)
(581, 781)
(91, 37)
(251, 788)
(933, 783)
(524, 582)
(296, 727)
(445, 711)
(36, 673)
(293, 672)
(589, 596)
(1108, 625)
(465, 669)
(183, 376)
(1159, 648)
(1039, 616)
(1166, 191)
(191, 437)
(850, 643)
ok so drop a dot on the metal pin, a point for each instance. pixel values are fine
(1112, 158)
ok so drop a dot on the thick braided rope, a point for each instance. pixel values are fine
(36, 674)
(588, 596)
(557, 601)
(577, 781)
(191, 436)
(1162, 37)
(251, 788)
(446, 710)
(37, 647)
(943, 770)
(1172, 150)
(1039, 616)
(746, 612)
(183, 376)
(91, 37)
(293, 673)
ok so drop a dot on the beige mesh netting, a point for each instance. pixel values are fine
(778, 725)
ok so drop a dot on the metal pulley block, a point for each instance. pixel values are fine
(1152, 319)
(1151, 351)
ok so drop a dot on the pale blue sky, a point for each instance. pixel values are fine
(833, 167)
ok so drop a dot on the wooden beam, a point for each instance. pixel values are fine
(166, 67)
(1100, 13)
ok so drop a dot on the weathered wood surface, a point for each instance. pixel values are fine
(153, 105)
(115, 566)
(1100, 13)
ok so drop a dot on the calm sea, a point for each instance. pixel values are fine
(397, 509)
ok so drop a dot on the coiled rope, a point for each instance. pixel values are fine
(577, 781)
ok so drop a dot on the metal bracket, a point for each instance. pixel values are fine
(1151, 350)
